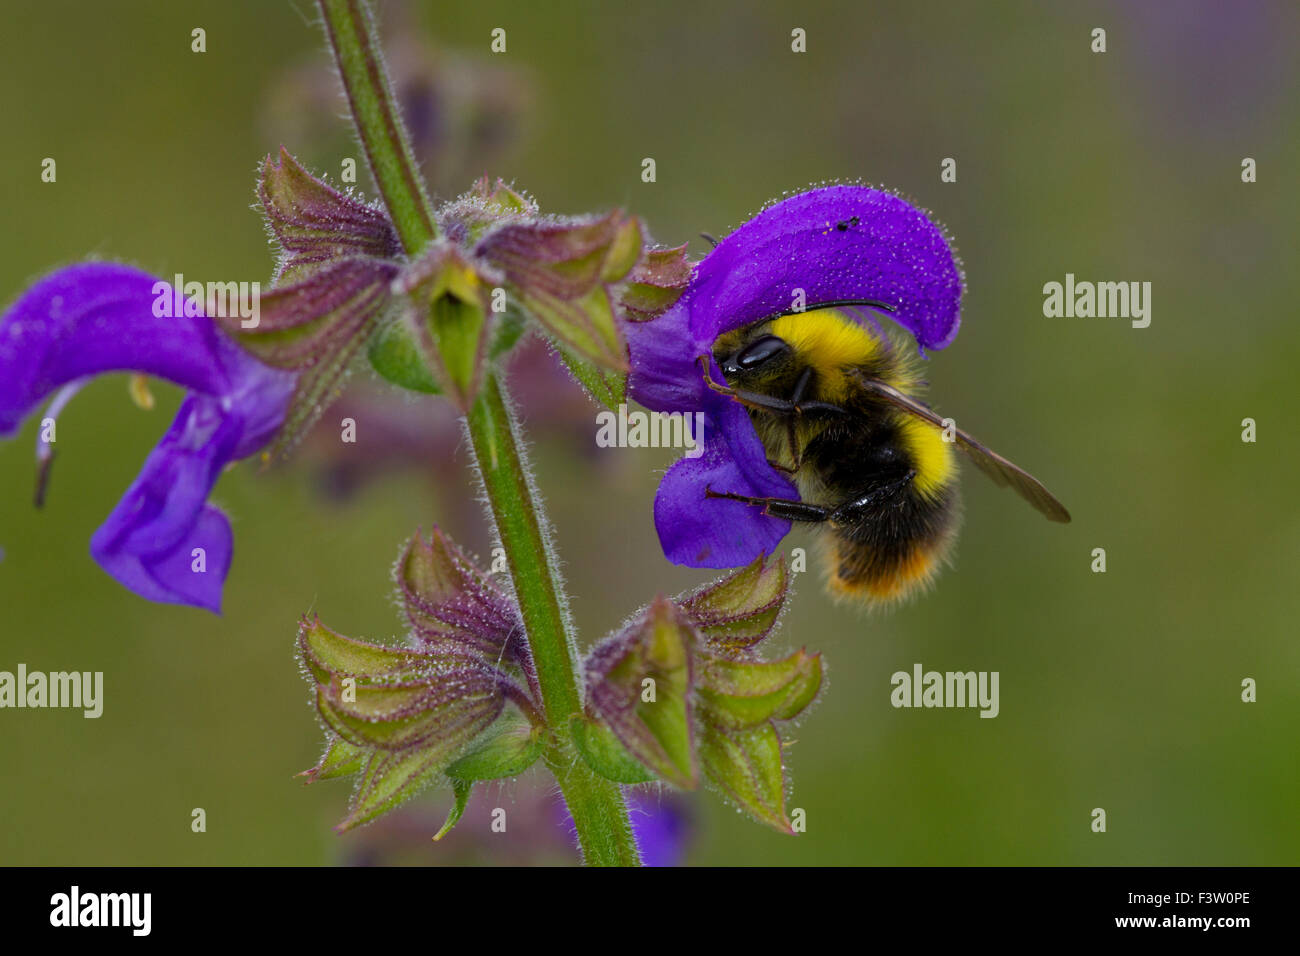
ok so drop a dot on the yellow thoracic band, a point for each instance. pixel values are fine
(829, 341)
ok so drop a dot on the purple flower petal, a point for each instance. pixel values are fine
(664, 374)
(702, 532)
(836, 244)
(99, 317)
(661, 826)
(93, 318)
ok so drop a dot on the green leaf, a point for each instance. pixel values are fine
(508, 754)
(744, 693)
(604, 754)
(746, 764)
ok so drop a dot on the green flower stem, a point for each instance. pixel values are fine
(599, 813)
(596, 804)
(379, 123)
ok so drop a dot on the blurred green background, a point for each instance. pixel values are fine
(1118, 690)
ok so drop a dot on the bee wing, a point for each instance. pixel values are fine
(988, 461)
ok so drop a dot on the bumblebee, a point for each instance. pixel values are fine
(834, 401)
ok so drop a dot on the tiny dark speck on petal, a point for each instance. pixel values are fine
(843, 225)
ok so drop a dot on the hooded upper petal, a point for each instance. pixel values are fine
(93, 318)
(838, 243)
(834, 245)
(100, 317)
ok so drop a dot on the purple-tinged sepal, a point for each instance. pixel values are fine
(639, 686)
(746, 766)
(337, 258)
(737, 612)
(445, 307)
(725, 707)
(313, 224)
(655, 284)
(486, 206)
(456, 704)
(562, 273)
(740, 694)
(374, 696)
(454, 606)
(500, 265)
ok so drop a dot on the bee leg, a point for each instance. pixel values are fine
(791, 422)
(777, 507)
(865, 506)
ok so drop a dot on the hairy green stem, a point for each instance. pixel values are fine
(379, 124)
(596, 804)
(599, 812)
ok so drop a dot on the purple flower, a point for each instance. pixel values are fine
(837, 244)
(88, 319)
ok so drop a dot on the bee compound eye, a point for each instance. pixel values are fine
(760, 352)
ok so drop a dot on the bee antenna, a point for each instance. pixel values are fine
(712, 240)
(864, 303)
(839, 303)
